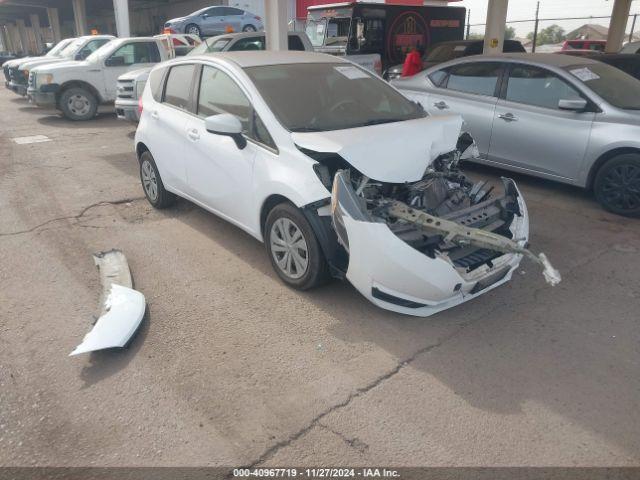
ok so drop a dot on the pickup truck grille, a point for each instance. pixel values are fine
(7, 77)
(126, 89)
(17, 76)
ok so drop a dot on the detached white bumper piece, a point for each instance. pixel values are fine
(122, 307)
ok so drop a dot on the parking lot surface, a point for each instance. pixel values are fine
(232, 368)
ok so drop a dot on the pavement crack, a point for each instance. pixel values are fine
(71, 217)
(354, 442)
(316, 421)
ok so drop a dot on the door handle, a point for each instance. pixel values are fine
(193, 134)
(508, 117)
(155, 115)
(441, 105)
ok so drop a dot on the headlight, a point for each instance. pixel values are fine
(140, 88)
(26, 73)
(44, 79)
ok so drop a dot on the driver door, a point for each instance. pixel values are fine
(211, 21)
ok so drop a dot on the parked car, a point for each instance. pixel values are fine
(631, 47)
(131, 84)
(300, 150)
(76, 49)
(595, 45)
(6, 56)
(215, 21)
(77, 88)
(12, 63)
(627, 62)
(445, 51)
(570, 119)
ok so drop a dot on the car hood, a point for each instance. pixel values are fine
(138, 75)
(29, 64)
(64, 65)
(177, 20)
(392, 152)
(16, 61)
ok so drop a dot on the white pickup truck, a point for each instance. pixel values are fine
(78, 88)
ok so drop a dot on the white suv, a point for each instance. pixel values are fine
(300, 150)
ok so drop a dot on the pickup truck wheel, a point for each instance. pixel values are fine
(293, 248)
(152, 184)
(193, 29)
(617, 185)
(78, 104)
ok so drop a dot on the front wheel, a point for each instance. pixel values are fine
(617, 185)
(249, 28)
(193, 29)
(293, 248)
(78, 104)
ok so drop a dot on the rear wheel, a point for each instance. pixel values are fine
(152, 184)
(193, 29)
(293, 248)
(617, 185)
(249, 28)
(78, 104)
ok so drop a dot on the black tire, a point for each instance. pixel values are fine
(152, 184)
(249, 28)
(316, 272)
(193, 29)
(617, 185)
(78, 104)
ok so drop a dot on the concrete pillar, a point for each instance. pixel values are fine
(275, 25)
(22, 34)
(618, 25)
(34, 18)
(54, 23)
(10, 30)
(80, 17)
(121, 10)
(496, 25)
(4, 44)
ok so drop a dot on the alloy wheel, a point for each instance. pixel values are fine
(289, 248)
(149, 181)
(621, 187)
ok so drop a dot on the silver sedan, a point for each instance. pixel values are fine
(569, 119)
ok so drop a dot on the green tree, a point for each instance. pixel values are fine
(550, 35)
(509, 33)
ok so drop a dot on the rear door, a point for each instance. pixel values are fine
(469, 89)
(530, 132)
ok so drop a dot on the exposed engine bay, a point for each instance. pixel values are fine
(444, 214)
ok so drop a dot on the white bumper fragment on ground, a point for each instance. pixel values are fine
(122, 307)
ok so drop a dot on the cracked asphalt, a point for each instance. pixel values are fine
(232, 368)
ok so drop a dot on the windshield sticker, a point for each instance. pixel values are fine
(320, 28)
(585, 74)
(352, 73)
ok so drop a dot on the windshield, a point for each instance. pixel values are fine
(55, 51)
(442, 53)
(71, 49)
(613, 85)
(202, 48)
(98, 53)
(315, 97)
(315, 31)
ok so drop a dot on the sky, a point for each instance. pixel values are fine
(526, 9)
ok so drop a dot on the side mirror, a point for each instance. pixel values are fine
(573, 105)
(228, 125)
(114, 62)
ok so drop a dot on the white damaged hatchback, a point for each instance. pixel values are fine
(336, 172)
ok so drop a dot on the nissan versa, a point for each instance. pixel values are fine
(300, 150)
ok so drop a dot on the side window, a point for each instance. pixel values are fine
(155, 83)
(295, 43)
(214, 12)
(178, 88)
(219, 93)
(437, 78)
(136, 52)
(477, 78)
(233, 11)
(537, 86)
(249, 43)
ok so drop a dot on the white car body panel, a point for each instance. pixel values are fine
(374, 150)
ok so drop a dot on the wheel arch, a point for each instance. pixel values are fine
(269, 203)
(604, 158)
(80, 84)
(140, 149)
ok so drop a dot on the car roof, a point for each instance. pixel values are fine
(232, 36)
(258, 58)
(551, 59)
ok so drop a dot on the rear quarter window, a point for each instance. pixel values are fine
(155, 83)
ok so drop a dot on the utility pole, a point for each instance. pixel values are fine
(469, 21)
(535, 29)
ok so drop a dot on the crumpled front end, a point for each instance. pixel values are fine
(421, 247)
